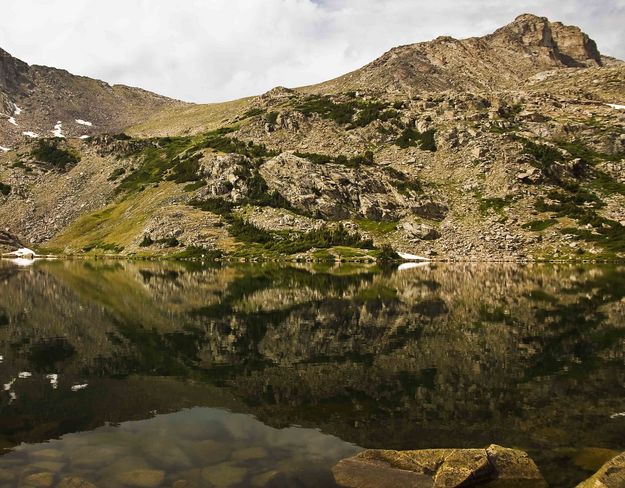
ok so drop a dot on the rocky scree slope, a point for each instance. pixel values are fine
(38, 101)
(502, 147)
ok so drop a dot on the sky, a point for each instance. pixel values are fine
(216, 50)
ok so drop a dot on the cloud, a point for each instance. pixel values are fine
(211, 50)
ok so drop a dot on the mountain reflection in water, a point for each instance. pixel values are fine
(437, 356)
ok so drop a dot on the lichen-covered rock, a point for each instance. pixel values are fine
(439, 468)
(611, 475)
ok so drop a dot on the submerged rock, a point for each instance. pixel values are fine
(611, 475)
(142, 478)
(75, 482)
(438, 468)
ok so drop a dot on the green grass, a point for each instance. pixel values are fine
(377, 226)
(539, 225)
(495, 204)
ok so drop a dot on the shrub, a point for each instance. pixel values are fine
(367, 159)
(49, 151)
(412, 137)
(116, 174)
(539, 225)
(5, 189)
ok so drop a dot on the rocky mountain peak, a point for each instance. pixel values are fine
(564, 44)
(12, 72)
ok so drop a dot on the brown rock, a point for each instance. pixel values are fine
(75, 482)
(512, 464)
(39, 480)
(611, 475)
(438, 468)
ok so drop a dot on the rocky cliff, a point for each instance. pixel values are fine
(501, 147)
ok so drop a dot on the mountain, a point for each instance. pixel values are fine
(507, 146)
(35, 99)
(500, 60)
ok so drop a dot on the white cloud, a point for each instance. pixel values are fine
(210, 50)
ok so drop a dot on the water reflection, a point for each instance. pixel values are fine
(434, 356)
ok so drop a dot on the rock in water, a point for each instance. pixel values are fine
(611, 475)
(438, 468)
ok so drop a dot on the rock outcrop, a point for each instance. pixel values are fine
(438, 468)
(611, 475)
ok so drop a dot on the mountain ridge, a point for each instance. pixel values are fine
(508, 146)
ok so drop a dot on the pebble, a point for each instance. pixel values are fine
(249, 453)
(75, 482)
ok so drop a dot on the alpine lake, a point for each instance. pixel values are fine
(162, 374)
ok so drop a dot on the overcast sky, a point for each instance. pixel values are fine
(213, 50)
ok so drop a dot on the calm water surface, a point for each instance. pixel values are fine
(149, 375)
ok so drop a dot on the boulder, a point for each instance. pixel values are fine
(611, 475)
(438, 468)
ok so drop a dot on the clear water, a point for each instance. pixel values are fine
(181, 376)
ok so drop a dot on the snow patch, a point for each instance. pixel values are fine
(617, 415)
(58, 130)
(616, 106)
(79, 387)
(17, 110)
(85, 137)
(24, 374)
(83, 122)
(5, 149)
(12, 121)
(32, 135)
(7, 386)
(54, 380)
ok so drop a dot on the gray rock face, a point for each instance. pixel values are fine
(438, 468)
(337, 192)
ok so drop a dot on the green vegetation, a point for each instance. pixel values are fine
(354, 162)
(104, 246)
(116, 174)
(196, 252)
(253, 112)
(271, 117)
(377, 226)
(353, 113)
(539, 225)
(177, 158)
(50, 151)
(509, 111)
(402, 182)
(5, 189)
(413, 138)
(283, 243)
(496, 204)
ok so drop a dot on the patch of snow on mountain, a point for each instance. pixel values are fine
(12, 121)
(17, 110)
(58, 130)
(85, 137)
(4, 149)
(615, 106)
(32, 135)
(83, 122)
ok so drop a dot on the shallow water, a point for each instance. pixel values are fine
(177, 375)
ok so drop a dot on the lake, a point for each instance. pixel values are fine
(176, 374)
